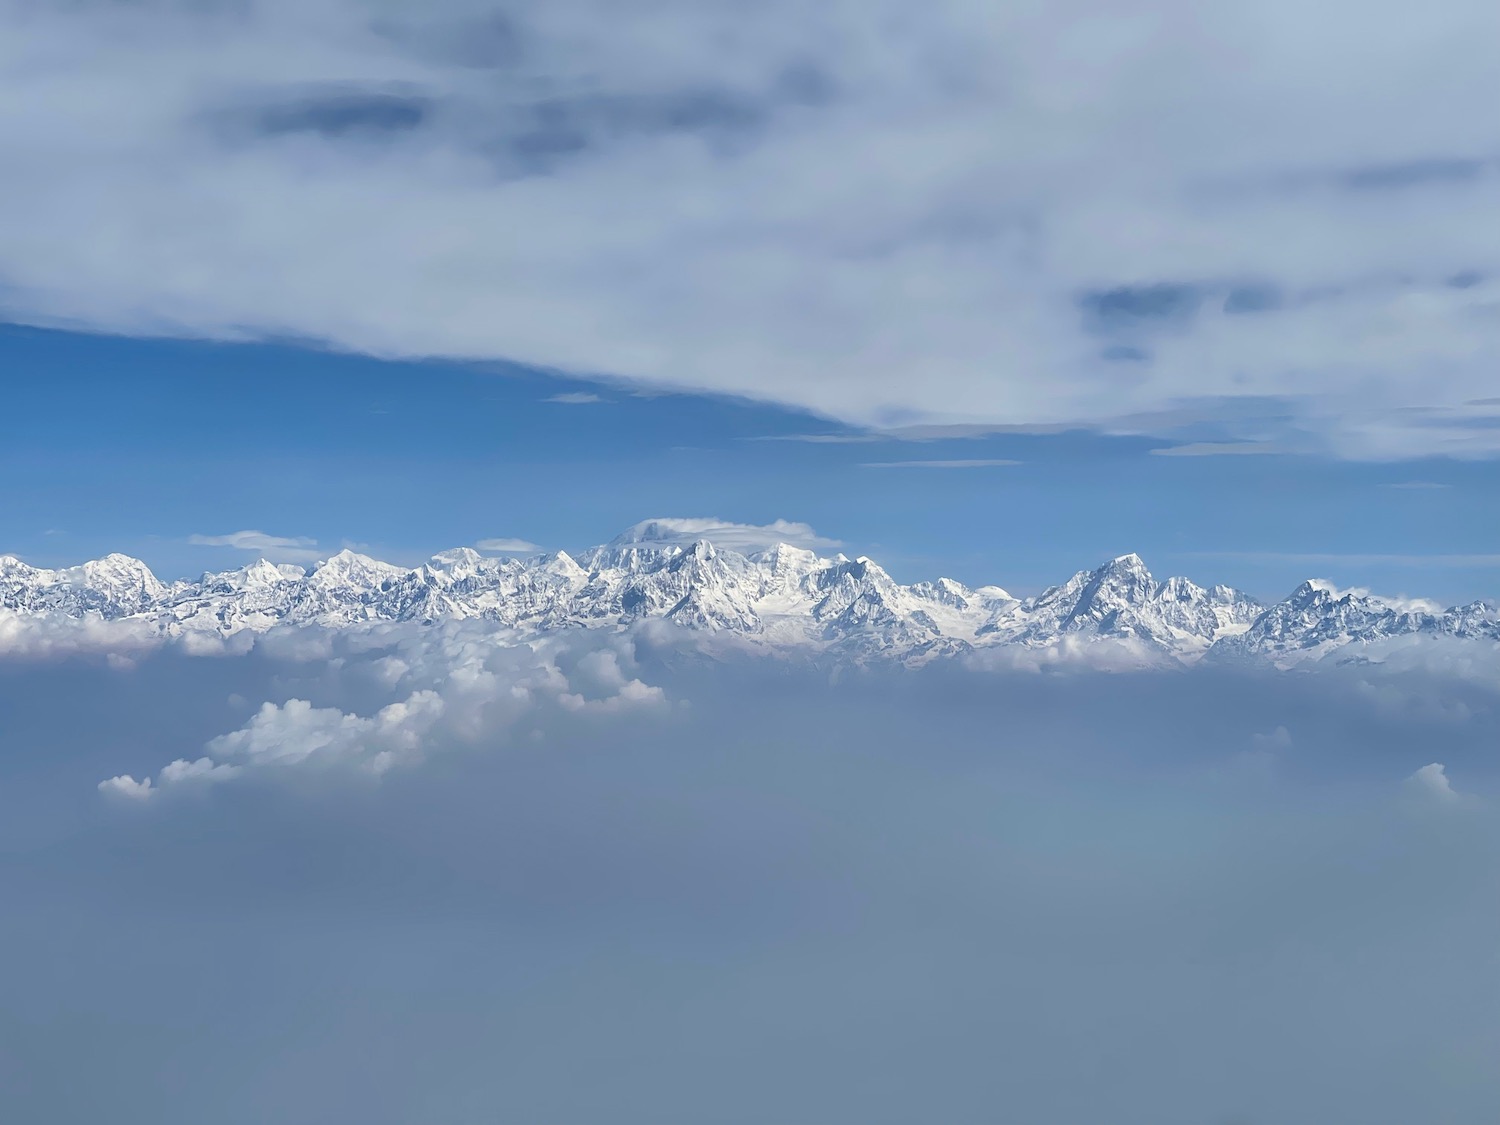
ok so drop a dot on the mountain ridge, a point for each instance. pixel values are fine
(779, 596)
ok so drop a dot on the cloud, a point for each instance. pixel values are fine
(826, 439)
(1432, 781)
(126, 787)
(851, 883)
(1221, 449)
(1197, 204)
(28, 636)
(508, 546)
(576, 398)
(962, 464)
(1278, 739)
(274, 548)
(452, 685)
(723, 533)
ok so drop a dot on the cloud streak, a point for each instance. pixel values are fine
(973, 463)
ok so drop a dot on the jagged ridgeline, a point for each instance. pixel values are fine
(778, 597)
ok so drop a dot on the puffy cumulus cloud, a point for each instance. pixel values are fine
(25, 636)
(1224, 222)
(1432, 781)
(126, 787)
(455, 684)
(1073, 653)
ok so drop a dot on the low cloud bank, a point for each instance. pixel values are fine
(626, 878)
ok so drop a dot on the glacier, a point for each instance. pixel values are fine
(779, 598)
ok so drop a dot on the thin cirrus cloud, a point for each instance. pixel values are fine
(575, 398)
(1221, 449)
(971, 463)
(1193, 204)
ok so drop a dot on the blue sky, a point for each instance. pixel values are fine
(1259, 236)
(138, 445)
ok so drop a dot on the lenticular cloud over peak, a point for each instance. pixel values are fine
(1222, 223)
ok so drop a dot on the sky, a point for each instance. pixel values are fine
(1221, 278)
(144, 446)
(990, 292)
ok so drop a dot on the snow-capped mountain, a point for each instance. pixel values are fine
(778, 597)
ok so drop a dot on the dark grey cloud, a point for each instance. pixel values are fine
(338, 113)
(1253, 298)
(545, 130)
(1415, 174)
(1133, 304)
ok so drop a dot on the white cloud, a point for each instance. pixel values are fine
(201, 769)
(508, 546)
(1432, 781)
(723, 533)
(274, 548)
(447, 685)
(50, 636)
(126, 787)
(575, 398)
(1212, 203)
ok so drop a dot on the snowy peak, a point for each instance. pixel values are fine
(779, 596)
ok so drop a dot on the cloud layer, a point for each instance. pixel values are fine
(1034, 896)
(1217, 222)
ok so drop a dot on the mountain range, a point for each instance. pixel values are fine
(779, 597)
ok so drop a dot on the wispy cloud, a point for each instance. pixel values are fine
(1417, 485)
(275, 548)
(1221, 449)
(973, 463)
(575, 398)
(508, 546)
(825, 439)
